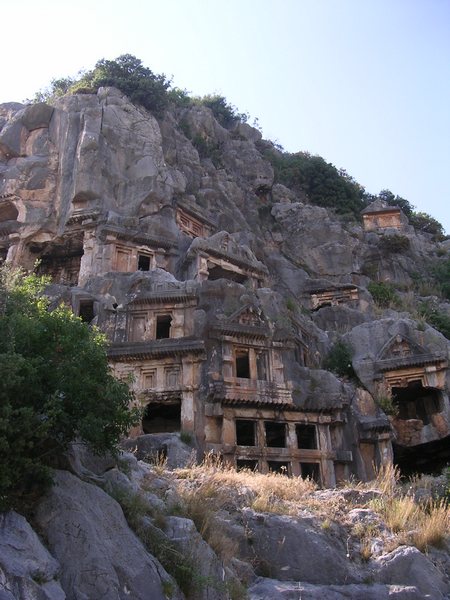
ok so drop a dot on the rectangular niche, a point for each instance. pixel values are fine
(245, 432)
(275, 434)
(306, 436)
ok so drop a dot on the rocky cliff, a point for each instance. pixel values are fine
(270, 330)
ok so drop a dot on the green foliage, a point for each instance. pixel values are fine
(208, 149)
(383, 293)
(394, 243)
(438, 319)
(441, 272)
(387, 405)
(394, 200)
(424, 222)
(225, 113)
(55, 387)
(128, 74)
(339, 360)
(320, 181)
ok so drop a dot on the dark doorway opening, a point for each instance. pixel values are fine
(86, 310)
(278, 466)
(162, 418)
(242, 364)
(250, 465)
(416, 401)
(143, 262)
(163, 323)
(221, 273)
(430, 458)
(306, 436)
(245, 432)
(275, 434)
(311, 471)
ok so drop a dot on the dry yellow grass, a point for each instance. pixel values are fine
(433, 526)
(212, 486)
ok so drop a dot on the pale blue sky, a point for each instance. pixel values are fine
(363, 83)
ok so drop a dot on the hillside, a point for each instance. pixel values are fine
(300, 331)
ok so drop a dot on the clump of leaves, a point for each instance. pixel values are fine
(384, 294)
(320, 181)
(394, 243)
(438, 319)
(339, 360)
(225, 113)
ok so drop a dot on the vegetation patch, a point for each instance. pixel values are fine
(339, 360)
(384, 294)
(55, 387)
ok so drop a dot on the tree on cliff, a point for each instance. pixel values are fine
(55, 387)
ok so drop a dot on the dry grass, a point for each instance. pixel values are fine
(433, 526)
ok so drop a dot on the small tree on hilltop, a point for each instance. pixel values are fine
(55, 387)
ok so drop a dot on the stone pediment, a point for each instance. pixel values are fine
(400, 347)
(249, 315)
(379, 206)
(224, 246)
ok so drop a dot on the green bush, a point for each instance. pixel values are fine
(339, 360)
(320, 181)
(384, 294)
(441, 272)
(128, 74)
(438, 319)
(426, 223)
(55, 387)
(394, 243)
(225, 113)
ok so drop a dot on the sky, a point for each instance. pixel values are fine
(363, 83)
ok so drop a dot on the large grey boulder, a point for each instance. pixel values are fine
(209, 572)
(294, 549)
(264, 589)
(100, 556)
(156, 446)
(406, 565)
(27, 569)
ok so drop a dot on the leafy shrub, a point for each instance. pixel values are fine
(384, 294)
(441, 272)
(394, 243)
(320, 181)
(438, 319)
(426, 223)
(128, 74)
(225, 113)
(55, 387)
(339, 360)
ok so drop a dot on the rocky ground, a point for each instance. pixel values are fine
(139, 529)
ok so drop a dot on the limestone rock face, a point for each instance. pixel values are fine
(313, 239)
(293, 549)
(406, 564)
(290, 590)
(27, 570)
(98, 554)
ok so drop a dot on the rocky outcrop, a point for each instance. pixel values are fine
(27, 570)
(98, 554)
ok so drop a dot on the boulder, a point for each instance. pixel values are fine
(100, 556)
(406, 565)
(27, 569)
(290, 548)
(157, 446)
(264, 589)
